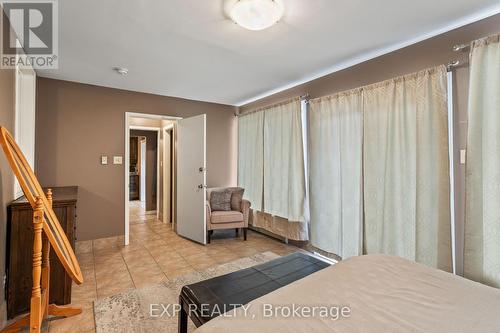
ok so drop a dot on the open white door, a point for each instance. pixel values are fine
(191, 178)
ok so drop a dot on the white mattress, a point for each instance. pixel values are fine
(383, 294)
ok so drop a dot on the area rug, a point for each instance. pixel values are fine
(130, 312)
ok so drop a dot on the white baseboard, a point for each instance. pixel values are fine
(325, 259)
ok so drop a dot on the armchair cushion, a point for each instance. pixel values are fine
(221, 200)
(226, 217)
(236, 198)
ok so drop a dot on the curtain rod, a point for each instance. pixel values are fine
(452, 65)
(304, 97)
(468, 46)
(460, 47)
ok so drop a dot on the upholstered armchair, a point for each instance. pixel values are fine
(231, 219)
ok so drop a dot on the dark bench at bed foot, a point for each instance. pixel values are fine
(205, 300)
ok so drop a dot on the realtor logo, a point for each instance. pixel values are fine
(29, 35)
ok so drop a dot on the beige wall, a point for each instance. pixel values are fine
(77, 123)
(6, 176)
(432, 52)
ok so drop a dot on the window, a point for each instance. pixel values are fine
(24, 126)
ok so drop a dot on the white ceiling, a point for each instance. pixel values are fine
(190, 49)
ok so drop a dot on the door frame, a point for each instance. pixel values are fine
(127, 129)
(166, 129)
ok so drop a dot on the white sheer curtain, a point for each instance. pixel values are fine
(251, 157)
(284, 178)
(406, 174)
(335, 164)
(482, 225)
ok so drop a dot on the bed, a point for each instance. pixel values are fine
(374, 293)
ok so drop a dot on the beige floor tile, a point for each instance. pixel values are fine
(161, 250)
(147, 275)
(85, 258)
(83, 247)
(114, 284)
(140, 265)
(109, 271)
(114, 289)
(133, 246)
(155, 254)
(85, 293)
(141, 254)
(224, 258)
(109, 266)
(172, 274)
(201, 262)
(189, 252)
(155, 243)
(149, 280)
(81, 323)
(168, 267)
(88, 274)
(105, 243)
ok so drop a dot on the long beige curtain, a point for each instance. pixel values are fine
(406, 170)
(482, 225)
(251, 157)
(335, 173)
(284, 178)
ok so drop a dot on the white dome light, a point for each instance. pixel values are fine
(257, 14)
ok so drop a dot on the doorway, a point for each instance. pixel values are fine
(180, 190)
(143, 159)
(146, 190)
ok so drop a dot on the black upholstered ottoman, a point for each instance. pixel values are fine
(207, 299)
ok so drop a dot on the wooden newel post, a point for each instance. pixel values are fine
(46, 261)
(36, 293)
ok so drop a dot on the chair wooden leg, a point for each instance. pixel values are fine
(244, 233)
(236, 230)
(209, 233)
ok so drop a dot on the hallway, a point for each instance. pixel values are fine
(137, 211)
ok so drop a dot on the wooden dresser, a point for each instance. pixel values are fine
(20, 251)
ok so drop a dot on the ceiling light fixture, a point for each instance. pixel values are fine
(257, 14)
(121, 70)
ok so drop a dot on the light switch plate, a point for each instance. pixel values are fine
(463, 156)
(104, 160)
(117, 160)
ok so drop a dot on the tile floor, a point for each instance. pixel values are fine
(155, 254)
